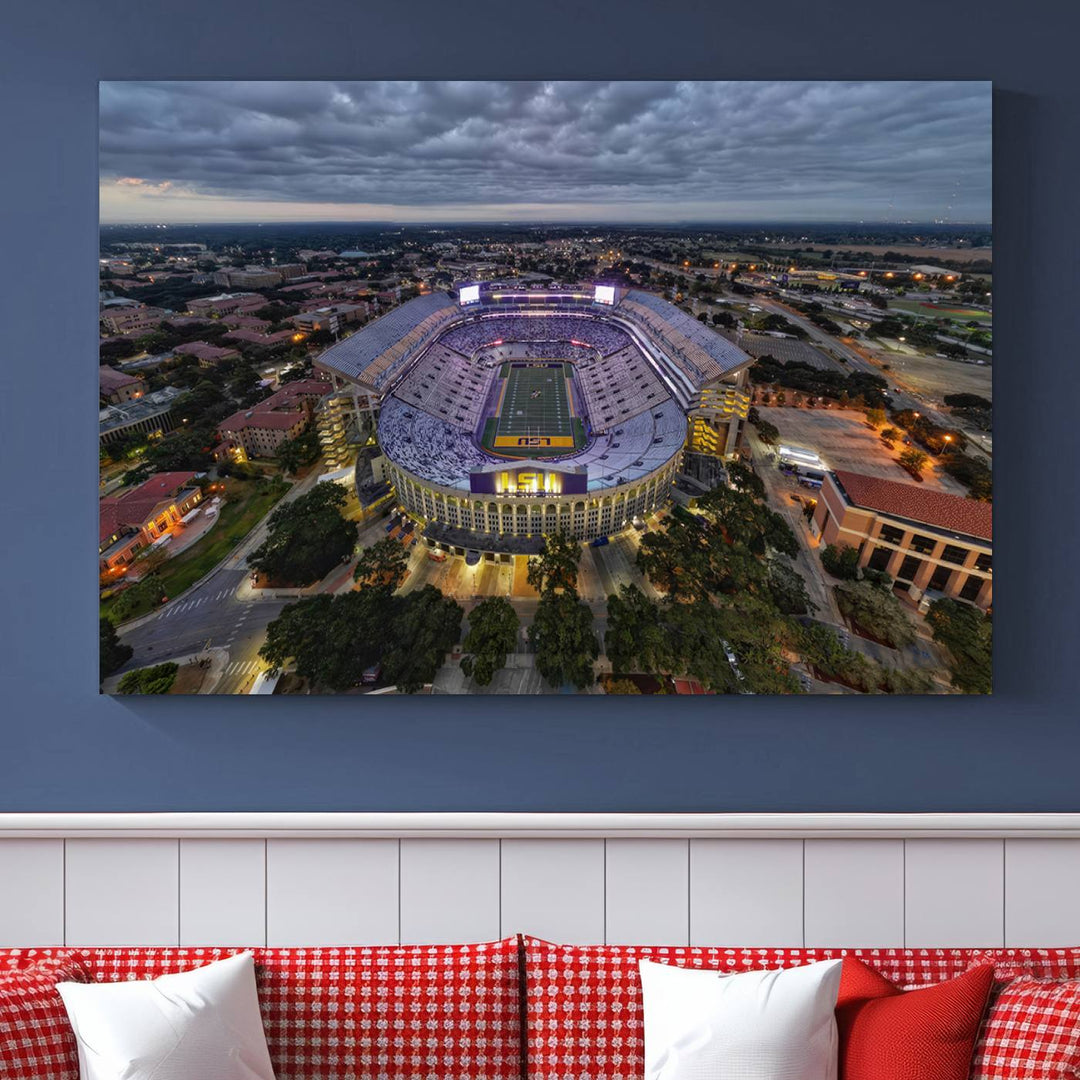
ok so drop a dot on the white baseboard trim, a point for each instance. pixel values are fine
(534, 825)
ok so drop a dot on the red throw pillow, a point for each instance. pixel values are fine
(1032, 1032)
(36, 1038)
(891, 1034)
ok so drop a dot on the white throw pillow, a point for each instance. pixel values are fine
(757, 1025)
(197, 1025)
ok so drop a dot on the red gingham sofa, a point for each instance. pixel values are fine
(517, 1009)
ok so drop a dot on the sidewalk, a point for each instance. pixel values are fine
(219, 659)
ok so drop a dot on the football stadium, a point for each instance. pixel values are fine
(504, 414)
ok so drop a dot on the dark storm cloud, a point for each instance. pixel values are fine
(663, 150)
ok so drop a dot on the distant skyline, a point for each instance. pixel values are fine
(557, 152)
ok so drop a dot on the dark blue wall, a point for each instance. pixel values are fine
(64, 748)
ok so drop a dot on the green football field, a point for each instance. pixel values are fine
(535, 415)
(535, 402)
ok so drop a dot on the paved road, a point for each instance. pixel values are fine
(211, 615)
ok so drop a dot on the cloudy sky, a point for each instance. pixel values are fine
(533, 151)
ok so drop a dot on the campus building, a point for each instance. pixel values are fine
(926, 540)
(260, 430)
(138, 518)
(117, 387)
(150, 415)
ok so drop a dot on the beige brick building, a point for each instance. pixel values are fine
(926, 540)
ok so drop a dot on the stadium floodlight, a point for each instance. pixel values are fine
(469, 294)
(605, 294)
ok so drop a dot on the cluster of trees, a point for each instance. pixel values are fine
(968, 636)
(112, 652)
(859, 388)
(303, 450)
(872, 608)
(150, 680)
(333, 639)
(728, 584)
(768, 433)
(815, 312)
(777, 323)
(948, 445)
(306, 538)
(561, 632)
(829, 659)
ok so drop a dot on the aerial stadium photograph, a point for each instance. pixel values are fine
(637, 388)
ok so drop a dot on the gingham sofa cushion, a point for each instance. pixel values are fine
(584, 1013)
(1031, 1032)
(1034, 963)
(36, 1039)
(444, 1012)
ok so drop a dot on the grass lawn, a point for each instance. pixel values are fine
(958, 312)
(247, 503)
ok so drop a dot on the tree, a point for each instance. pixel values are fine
(555, 568)
(562, 635)
(788, 589)
(621, 686)
(743, 478)
(841, 560)
(967, 401)
(723, 318)
(768, 433)
(968, 635)
(383, 565)
(302, 450)
(426, 626)
(288, 456)
(112, 652)
(889, 435)
(331, 639)
(876, 417)
(636, 638)
(151, 680)
(493, 633)
(913, 459)
(876, 612)
(306, 538)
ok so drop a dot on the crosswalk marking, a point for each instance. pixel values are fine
(242, 667)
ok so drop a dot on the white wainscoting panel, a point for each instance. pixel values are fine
(122, 892)
(554, 889)
(332, 892)
(854, 893)
(1042, 892)
(960, 880)
(449, 891)
(954, 893)
(31, 892)
(647, 892)
(747, 892)
(222, 892)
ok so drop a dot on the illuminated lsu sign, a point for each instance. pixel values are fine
(528, 480)
(469, 294)
(605, 294)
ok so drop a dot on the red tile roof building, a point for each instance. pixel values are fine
(117, 387)
(208, 355)
(250, 337)
(924, 539)
(260, 430)
(135, 519)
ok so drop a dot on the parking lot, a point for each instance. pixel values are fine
(844, 441)
(786, 350)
